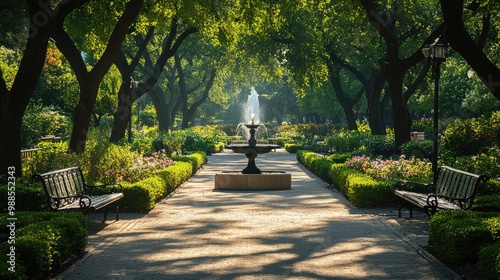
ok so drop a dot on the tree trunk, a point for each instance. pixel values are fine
(375, 105)
(459, 39)
(13, 103)
(122, 114)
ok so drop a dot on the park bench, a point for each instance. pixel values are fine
(66, 190)
(454, 190)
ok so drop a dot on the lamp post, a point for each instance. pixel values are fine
(133, 86)
(437, 53)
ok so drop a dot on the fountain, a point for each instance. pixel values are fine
(251, 177)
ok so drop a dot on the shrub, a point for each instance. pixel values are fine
(489, 261)
(142, 196)
(196, 159)
(29, 197)
(51, 156)
(455, 236)
(487, 163)
(364, 191)
(44, 240)
(379, 145)
(39, 121)
(176, 175)
(402, 168)
(345, 141)
(466, 137)
(340, 158)
(292, 148)
(486, 203)
(420, 149)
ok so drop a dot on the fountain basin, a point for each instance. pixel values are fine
(266, 180)
(260, 149)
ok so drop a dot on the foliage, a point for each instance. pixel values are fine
(196, 159)
(419, 149)
(345, 141)
(489, 261)
(467, 137)
(292, 148)
(51, 156)
(142, 196)
(308, 131)
(44, 241)
(360, 189)
(340, 158)
(401, 168)
(29, 197)
(455, 236)
(141, 167)
(379, 145)
(39, 121)
(487, 163)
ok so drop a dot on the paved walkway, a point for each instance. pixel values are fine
(308, 232)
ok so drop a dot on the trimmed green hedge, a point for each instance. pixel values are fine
(44, 240)
(292, 148)
(28, 197)
(360, 189)
(489, 261)
(455, 237)
(143, 195)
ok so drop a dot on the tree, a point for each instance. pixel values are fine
(385, 22)
(42, 19)
(461, 41)
(89, 80)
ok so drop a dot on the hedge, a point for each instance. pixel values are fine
(360, 189)
(455, 237)
(29, 197)
(489, 261)
(44, 241)
(143, 195)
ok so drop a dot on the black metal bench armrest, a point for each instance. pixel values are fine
(405, 185)
(432, 200)
(114, 187)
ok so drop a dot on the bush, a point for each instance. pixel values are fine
(467, 137)
(487, 163)
(340, 158)
(51, 156)
(360, 189)
(489, 261)
(455, 236)
(420, 149)
(486, 203)
(142, 196)
(44, 241)
(345, 141)
(29, 197)
(364, 191)
(39, 121)
(197, 160)
(379, 145)
(292, 148)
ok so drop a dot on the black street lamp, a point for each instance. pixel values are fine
(437, 53)
(133, 87)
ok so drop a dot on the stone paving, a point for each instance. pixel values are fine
(308, 232)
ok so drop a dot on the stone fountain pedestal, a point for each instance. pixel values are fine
(252, 178)
(266, 180)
